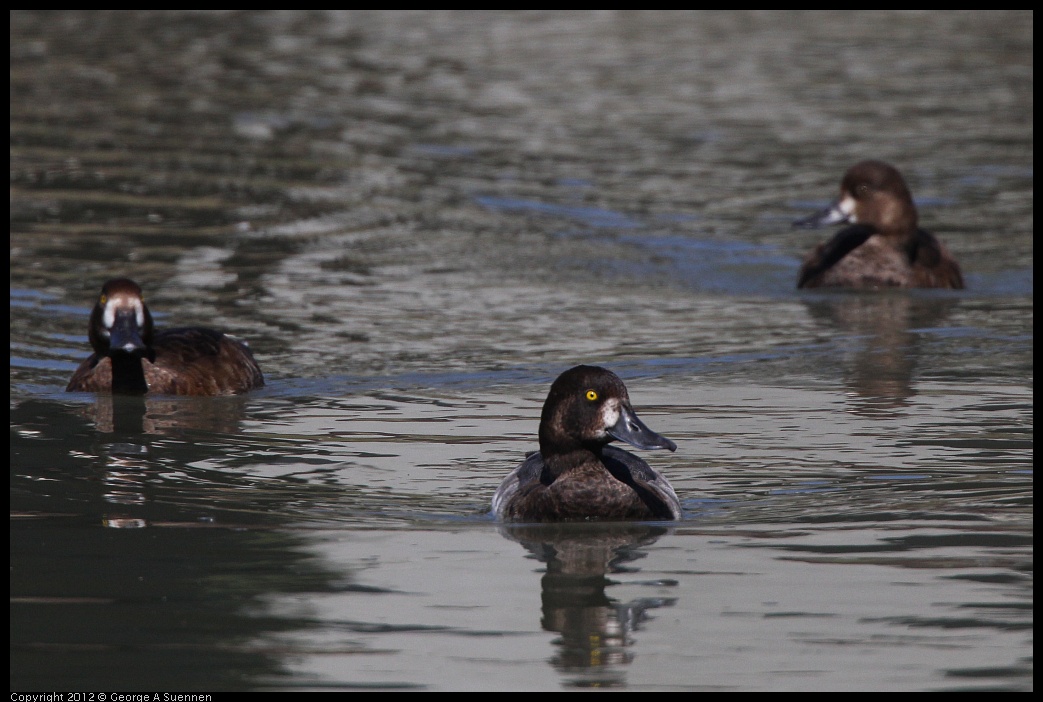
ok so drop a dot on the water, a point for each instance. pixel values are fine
(418, 220)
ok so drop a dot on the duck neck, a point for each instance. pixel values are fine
(560, 461)
(128, 375)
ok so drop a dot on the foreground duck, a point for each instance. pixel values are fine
(576, 475)
(884, 247)
(133, 358)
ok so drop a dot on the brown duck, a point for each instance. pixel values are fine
(883, 247)
(131, 357)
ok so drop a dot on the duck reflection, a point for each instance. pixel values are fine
(884, 334)
(130, 439)
(142, 414)
(595, 629)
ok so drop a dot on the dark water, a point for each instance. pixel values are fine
(418, 220)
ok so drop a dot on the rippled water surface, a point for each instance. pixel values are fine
(418, 220)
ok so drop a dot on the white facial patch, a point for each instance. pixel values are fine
(847, 207)
(108, 317)
(609, 413)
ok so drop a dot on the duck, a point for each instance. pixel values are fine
(576, 475)
(132, 357)
(883, 247)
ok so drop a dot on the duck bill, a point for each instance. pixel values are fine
(125, 335)
(831, 215)
(632, 430)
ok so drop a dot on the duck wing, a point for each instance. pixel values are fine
(653, 488)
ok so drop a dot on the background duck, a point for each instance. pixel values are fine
(883, 247)
(131, 357)
(575, 475)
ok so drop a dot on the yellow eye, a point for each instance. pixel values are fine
(592, 395)
(103, 299)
